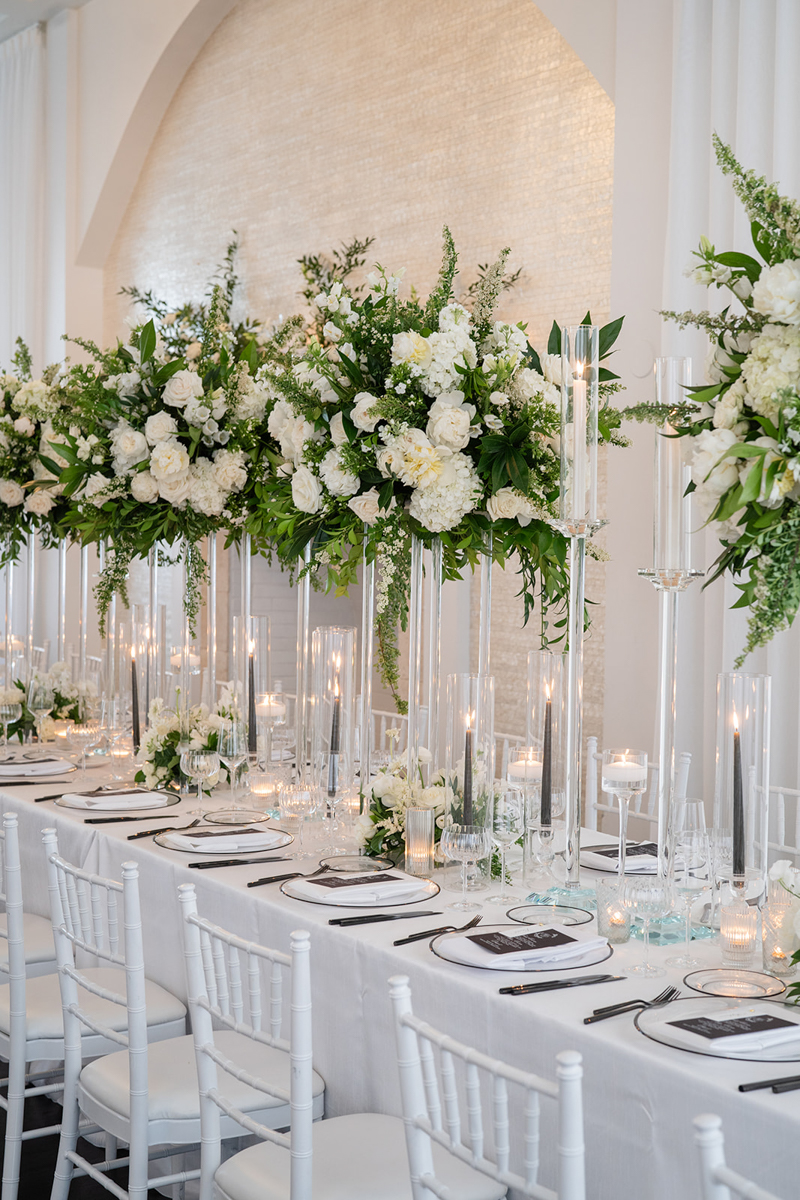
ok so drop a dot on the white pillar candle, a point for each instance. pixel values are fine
(526, 769)
(624, 776)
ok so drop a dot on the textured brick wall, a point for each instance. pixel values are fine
(302, 123)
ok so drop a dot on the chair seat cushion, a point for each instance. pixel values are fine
(38, 934)
(43, 1004)
(359, 1157)
(172, 1077)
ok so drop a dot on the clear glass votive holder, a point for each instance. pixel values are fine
(778, 939)
(613, 917)
(265, 789)
(419, 841)
(738, 929)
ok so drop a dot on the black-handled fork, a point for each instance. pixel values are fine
(151, 816)
(210, 863)
(376, 918)
(553, 985)
(431, 933)
(665, 997)
(291, 875)
(140, 833)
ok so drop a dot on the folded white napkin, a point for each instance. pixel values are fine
(735, 1031)
(226, 843)
(339, 887)
(635, 863)
(115, 803)
(33, 767)
(561, 945)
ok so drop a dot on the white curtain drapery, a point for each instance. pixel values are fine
(22, 165)
(734, 73)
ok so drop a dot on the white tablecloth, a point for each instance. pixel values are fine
(639, 1097)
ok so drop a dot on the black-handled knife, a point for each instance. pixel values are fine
(275, 878)
(552, 985)
(372, 918)
(114, 820)
(208, 864)
(770, 1083)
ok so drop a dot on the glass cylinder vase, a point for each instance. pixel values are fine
(332, 703)
(469, 762)
(252, 670)
(741, 786)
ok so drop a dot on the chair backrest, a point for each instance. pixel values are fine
(86, 917)
(783, 824)
(718, 1180)
(645, 806)
(432, 1113)
(225, 980)
(14, 932)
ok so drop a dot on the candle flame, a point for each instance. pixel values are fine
(579, 369)
(252, 647)
(547, 689)
(470, 716)
(133, 654)
(336, 688)
(735, 721)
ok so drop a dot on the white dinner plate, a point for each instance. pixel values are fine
(118, 804)
(282, 839)
(440, 946)
(427, 889)
(549, 914)
(655, 1023)
(35, 769)
(734, 983)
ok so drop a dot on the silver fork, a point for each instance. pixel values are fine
(288, 875)
(666, 997)
(429, 933)
(143, 833)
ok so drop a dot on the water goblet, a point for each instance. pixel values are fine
(508, 822)
(624, 774)
(232, 751)
(297, 802)
(647, 899)
(40, 703)
(83, 734)
(199, 765)
(691, 875)
(10, 712)
(466, 844)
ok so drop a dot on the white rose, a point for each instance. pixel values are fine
(449, 424)
(306, 490)
(551, 368)
(338, 481)
(279, 418)
(94, 485)
(159, 427)
(411, 347)
(338, 435)
(192, 351)
(144, 487)
(362, 416)
(169, 459)
(175, 488)
(11, 493)
(776, 293)
(181, 387)
(503, 505)
(709, 474)
(39, 502)
(367, 506)
(24, 426)
(129, 446)
(414, 459)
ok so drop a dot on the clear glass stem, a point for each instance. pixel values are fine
(434, 654)
(485, 627)
(464, 867)
(414, 654)
(245, 585)
(149, 649)
(31, 605)
(667, 678)
(186, 644)
(61, 632)
(502, 895)
(303, 634)
(688, 922)
(9, 622)
(574, 722)
(84, 612)
(624, 800)
(367, 639)
(646, 932)
(211, 622)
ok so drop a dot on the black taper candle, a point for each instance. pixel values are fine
(137, 732)
(468, 777)
(333, 754)
(547, 766)
(251, 705)
(738, 805)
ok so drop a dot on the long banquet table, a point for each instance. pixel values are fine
(639, 1097)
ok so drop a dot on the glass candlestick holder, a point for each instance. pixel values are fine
(624, 774)
(741, 783)
(469, 760)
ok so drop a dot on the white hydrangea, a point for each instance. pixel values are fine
(338, 481)
(528, 383)
(776, 292)
(36, 400)
(772, 364)
(205, 494)
(451, 348)
(456, 490)
(230, 470)
(24, 426)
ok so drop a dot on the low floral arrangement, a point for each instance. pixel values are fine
(30, 498)
(68, 701)
(381, 830)
(158, 438)
(789, 877)
(401, 417)
(745, 421)
(159, 756)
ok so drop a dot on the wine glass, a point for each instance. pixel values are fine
(647, 898)
(114, 727)
(40, 703)
(624, 774)
(691, 875)
(232, 751)
(508, 822)
(199, 765)
(83, 734)
(296, 803)
(466, 844)
(10, 712)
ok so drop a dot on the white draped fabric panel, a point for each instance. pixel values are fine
(22, 141)
(734, 72)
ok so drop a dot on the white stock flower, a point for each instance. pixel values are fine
(362, 415)
(169, 459)
(338, 435)
(39, 502)
(411, 347)
(252, 396)
(175, 488)
(25, 426)
(493, 422)
(449, 421)
(451, 352)
(230, 471)
(776, 292)
(506, 340)
(11, 494)
(144, 487)
(182, 387)
(367, 506)
(307, 373)
(306, 490)
(338, 481)
(499, 399)
(159, 427)
(442, 504)
(126, 383)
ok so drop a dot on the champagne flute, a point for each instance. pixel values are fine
(84, 733)
(691, 875)
(40, 703)
(9, 713)
(508, 813)
(232, 751)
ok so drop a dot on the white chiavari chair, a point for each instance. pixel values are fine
(645, 806)
(432, 1100)
(718, 1180)
(783, 824)
(357, 1157)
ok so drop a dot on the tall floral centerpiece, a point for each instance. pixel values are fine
(400, 418)
(745, 421)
